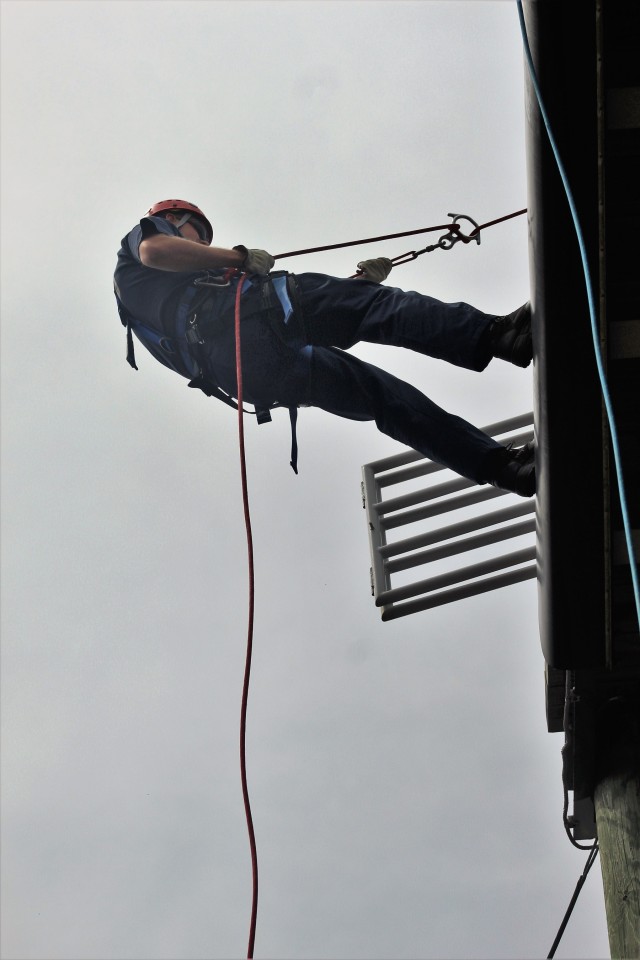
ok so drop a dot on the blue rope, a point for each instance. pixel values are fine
(592, 314)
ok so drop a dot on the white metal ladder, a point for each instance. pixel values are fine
(422, 506)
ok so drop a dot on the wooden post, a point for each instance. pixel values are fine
(617, 805)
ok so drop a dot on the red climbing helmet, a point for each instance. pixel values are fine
(186, 207)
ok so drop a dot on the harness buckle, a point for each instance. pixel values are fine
(192, 335)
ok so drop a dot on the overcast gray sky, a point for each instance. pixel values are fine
(406, 796)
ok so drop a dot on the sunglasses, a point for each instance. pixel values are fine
(200, 228)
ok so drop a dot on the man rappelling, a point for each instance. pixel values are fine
(176, 291)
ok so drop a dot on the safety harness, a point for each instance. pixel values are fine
(183, 350)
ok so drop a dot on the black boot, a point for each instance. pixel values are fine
(511, 337)
(515, 470)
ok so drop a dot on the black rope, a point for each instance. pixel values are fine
(454, 234)
(591, 859)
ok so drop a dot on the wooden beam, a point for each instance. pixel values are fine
(617, 805)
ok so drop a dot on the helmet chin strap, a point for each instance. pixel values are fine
(181, 222)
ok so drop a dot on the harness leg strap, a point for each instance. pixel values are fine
(293, 416)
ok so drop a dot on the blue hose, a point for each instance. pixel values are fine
(592, 314)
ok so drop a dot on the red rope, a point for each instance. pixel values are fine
(247, 519)
(247, 669)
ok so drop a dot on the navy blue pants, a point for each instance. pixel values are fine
(301, 360)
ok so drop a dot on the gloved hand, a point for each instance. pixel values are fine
(256, 261)
(376, 270)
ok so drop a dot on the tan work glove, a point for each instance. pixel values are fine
(376, 270)
(256, 261)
